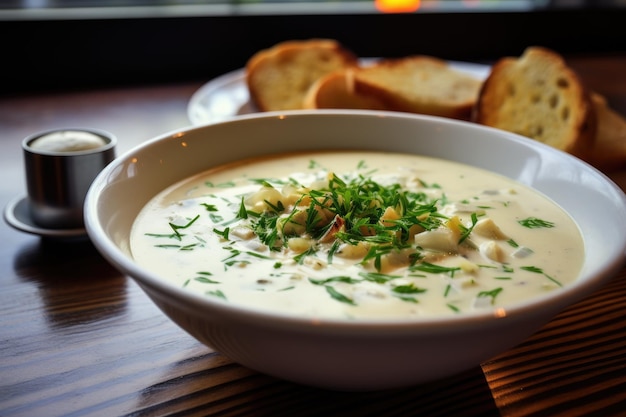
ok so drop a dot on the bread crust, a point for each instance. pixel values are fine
(419, 84)
(279, 77)
(415, 84)
(336, 91)
(538, 96)
(609, 150)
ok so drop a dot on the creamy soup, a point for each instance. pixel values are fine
(358, 235)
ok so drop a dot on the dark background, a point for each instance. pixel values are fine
(76, 54)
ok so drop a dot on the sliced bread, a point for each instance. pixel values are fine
(609, 149)
(538, 96)
(416, 84)
(336, 91)
(279, 77)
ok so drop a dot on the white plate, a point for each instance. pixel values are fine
(227, 95)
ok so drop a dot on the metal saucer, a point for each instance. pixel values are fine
(17, 215)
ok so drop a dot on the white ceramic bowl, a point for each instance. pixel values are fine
(340, 354)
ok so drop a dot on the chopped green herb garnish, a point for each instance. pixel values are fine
(176, 227)
(408, 289)
(243, 212)
(540, 271)
(341, 278)
(467, 230)
(453, 308)
(406, 297)
(512, 243)
(217, 293)
(535, 223)
(435, 269)
(206, 280)
(220, 185)
(209, 207)
(338, 296)
(223, 233)
(492, 294)
(300, 257)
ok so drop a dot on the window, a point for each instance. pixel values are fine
(61, 44)
(77, 9)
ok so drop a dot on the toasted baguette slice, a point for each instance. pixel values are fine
(609, 150)
(538, 96)
(279, 77)
(336, 91)
(415, 84)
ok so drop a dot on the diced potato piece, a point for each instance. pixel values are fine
(414, 230)
(492, 251)
(257, 201)
(244, 233)
(395, 259)
(454, 224)
(389, 214)
(349, 251)
(293, 195)
(292, 224)
(300, 244)
(441, 240)
(469, 267)
(337, 225)
(324, 215)
(488, 228)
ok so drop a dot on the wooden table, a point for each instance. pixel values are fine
(79, 338)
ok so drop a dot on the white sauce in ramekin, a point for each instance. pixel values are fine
(68, 141)
(519, 244)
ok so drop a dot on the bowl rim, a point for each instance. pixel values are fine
(555, 301)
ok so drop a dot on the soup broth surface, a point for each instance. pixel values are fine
(361, 235)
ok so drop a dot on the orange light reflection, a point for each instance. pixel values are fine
(397, 6)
